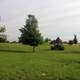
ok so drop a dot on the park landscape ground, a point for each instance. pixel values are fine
(18, 62)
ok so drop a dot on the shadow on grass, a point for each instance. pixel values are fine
(75, 52)
(16, 51)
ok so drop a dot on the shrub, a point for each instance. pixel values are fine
(57, 47)
(70, 42)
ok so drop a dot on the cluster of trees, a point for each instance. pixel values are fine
(30, 35)
(57, 44)
(74, 41)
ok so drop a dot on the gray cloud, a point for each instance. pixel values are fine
(56, 17)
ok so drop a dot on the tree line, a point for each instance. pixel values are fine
(30, 34)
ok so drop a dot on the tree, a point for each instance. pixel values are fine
(70, 42)
(30, 34)
(57, 44)
(3, 36)
(47, 39)
(75, 41)
(2, 29)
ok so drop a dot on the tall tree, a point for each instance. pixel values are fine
(75, 41)
(3, 36)
(30, 34)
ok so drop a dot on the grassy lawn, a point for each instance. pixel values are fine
(18, 62)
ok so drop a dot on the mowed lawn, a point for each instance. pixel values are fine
(18, 62)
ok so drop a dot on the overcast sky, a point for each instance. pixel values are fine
(55, 17)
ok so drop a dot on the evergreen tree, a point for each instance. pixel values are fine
(75, 41)
(30, 34)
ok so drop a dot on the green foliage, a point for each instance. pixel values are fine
(57, 44)
(3, 37)
(47, 40)
(57, 47)
(30, 33)
(2, 29)
(70, 42)
(2, 40)
(75, 41)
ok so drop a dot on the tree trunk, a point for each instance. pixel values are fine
(33, 48)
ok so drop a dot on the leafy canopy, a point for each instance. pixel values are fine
(29, 33)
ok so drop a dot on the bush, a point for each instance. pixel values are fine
(2, 40)
(57, 47)
(70, 42)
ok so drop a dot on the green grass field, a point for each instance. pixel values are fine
(18, 62)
